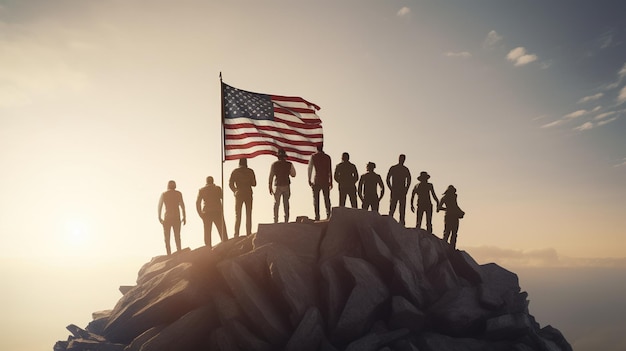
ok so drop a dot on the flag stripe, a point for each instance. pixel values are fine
(259, 124)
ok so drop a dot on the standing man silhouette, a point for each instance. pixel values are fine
(173, 200)
(241, 181)
(398, 180)
(368, 188)
(424, 190)
(323, 180)
(280, 172)
(346, 176)
(212, 211)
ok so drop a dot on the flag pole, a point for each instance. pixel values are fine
(222, 149)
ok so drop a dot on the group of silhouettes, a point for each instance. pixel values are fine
(369, 187)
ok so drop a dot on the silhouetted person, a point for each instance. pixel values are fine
(368, 188)
(424, 190)
(212, 211)
(322, 181)
(280, 172)
(453, 213)
(173, 201)
(399, 181)
(241, 181)
(346, 176)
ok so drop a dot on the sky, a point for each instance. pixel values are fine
(521, 105)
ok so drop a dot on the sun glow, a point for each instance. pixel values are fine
(76, 233)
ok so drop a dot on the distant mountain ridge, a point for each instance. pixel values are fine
(359, 281)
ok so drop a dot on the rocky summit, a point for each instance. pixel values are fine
(359, 281)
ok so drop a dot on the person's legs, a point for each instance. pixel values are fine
(375, 204)
(352, 195)
(402, 202)
(342, 197)
(286, 196)
(455, 229)
(238, 205)
(166, 233)
(208, 226)
(176, 227)
(248, 202)
(277, 195)
(326, 192)
(429, 218)
(392, 204)
(316, 201)
(420, 214)
(221, 226)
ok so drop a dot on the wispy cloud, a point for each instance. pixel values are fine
(575, 114)
(547, 257)
(584, 126)
(606, 121)
(460, 54)
(492, 40)
(590, 98)
(622, 95)
(622, 163)
(552, 124)
(520, 57)
(605, 40)
(604, 115)
(403, 12)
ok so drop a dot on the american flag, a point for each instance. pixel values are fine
(259, 124)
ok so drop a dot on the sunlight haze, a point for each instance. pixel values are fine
(521, 105)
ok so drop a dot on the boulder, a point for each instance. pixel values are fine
(364, 302)
(359, 281)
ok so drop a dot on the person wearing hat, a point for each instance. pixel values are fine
(368, 188)
(453, 214)
(280, 172)
(423, 190)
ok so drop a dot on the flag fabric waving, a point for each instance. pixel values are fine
(259, 124)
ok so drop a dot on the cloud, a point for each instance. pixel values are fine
(520, 57)
(622, 95)
(575, 114)
(546, 257)
(590, 98)
(605, 40)
(604, 115)
(492, 39)
(621, 164)
(622, 72)
(552, 124)
(606, 121)
(403, 12)
(584, 126)
(461, 54)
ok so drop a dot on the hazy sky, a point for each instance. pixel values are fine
(520, 104)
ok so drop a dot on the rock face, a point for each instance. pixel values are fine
(359, 281)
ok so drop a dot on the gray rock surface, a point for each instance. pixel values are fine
(359, 281)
